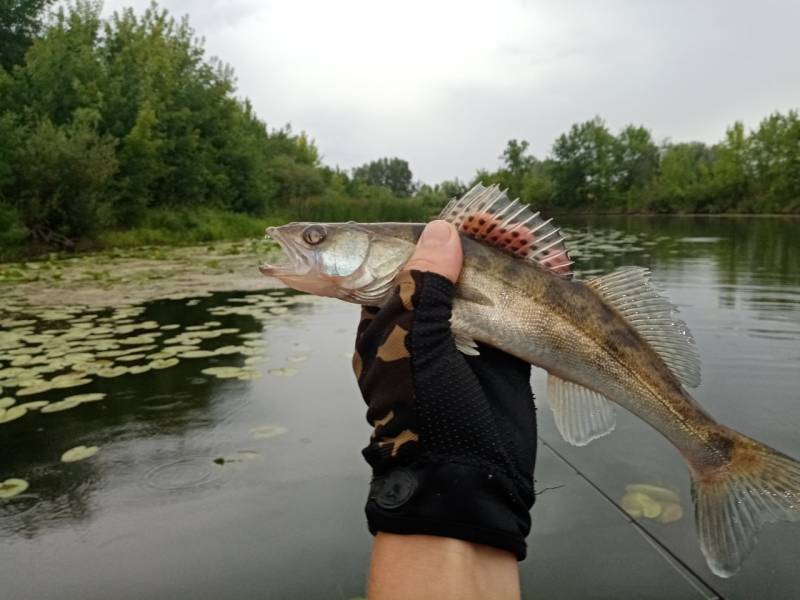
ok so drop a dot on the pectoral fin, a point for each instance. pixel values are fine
(581, 414)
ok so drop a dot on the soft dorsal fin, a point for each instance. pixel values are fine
(487, 214)
(630, 292)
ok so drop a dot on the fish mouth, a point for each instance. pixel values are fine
(294, 262)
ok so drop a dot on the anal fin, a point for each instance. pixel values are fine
(581, 414)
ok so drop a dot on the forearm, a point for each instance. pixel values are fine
(423, 566)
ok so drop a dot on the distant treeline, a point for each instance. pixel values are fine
(110, 124)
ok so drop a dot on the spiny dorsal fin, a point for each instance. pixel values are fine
(581, 414)
(629, 290)
(487, 214)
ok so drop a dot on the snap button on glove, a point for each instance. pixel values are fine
(454, 440)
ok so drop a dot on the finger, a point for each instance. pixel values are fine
(438, 250)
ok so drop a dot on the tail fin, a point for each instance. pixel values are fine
(758, 485)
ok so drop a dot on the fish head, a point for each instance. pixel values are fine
(349, 261)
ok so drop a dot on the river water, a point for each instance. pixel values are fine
(246, 481)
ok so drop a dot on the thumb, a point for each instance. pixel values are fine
(438, 250)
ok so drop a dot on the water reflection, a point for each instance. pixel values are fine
(147, 422)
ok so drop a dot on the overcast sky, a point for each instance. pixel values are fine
(444, 84)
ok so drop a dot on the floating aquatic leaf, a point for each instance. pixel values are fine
(11, 487)
(227, 330)
(34, 389)
(35, 405)
(59, 406)
(223, 372)
(10, 414)
(251, 351)
(138, 369)
(248, 375)
(278, 310)
(164, 363)
(652, 502)
(254, 360)
(112, 372)
(660, 494)
(131, 357)
(70, 383)
(196, 354)
(170, 327)
(283, 372)
(255, 335)
(267, 431)
(79, 453)
(224, 350)
(139, 339)
(6, 402)
(85, 397)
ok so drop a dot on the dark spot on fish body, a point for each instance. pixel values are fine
(606, 313)
(620, 338)
(714, 459)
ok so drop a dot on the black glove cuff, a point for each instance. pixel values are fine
(450, 500)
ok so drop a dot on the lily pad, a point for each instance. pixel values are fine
(85, 397)
(267, 431)
(70, 383)
(164, 363)
(34, 389)
(223, 372)
(6, 402)
(59, 406)
(112, 372)
(131, 357)
(10, 414)
(11, 487)
(254, 360)
(79, 453)
(34, 405)
(196, 354)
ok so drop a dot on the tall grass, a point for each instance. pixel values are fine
(179, 227)
(368, 210)
(182, 227)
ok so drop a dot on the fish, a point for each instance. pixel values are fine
(608, 341)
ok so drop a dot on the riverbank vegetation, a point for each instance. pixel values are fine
(121, 131)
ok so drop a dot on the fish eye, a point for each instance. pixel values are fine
(314, 234)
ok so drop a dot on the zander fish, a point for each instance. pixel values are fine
(608, 339)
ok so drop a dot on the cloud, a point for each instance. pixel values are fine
(445, 84)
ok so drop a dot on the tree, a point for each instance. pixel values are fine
(682, 182)
(20, 22)
(636, 163)
(393, 174)
(63, 175)
(775, 151)
(730, 172)
(584, 170)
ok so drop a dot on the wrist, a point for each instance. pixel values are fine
(422, 566)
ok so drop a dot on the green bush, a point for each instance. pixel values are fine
(62, 178)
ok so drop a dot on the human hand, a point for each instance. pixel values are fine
(454, 443)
